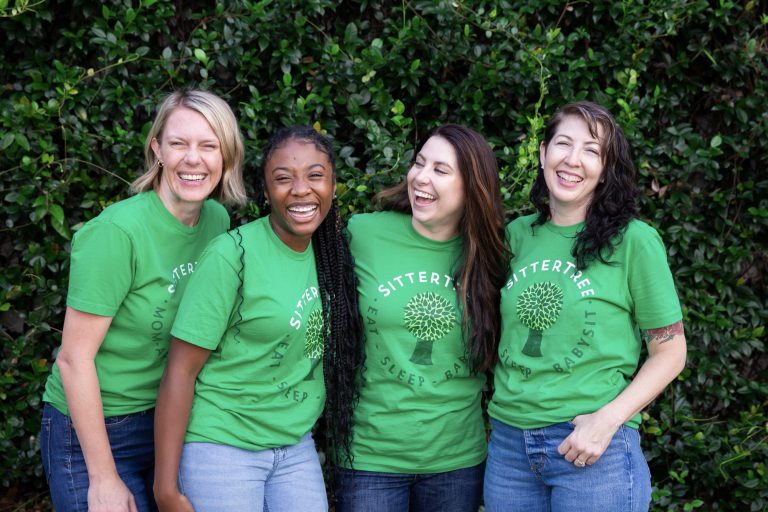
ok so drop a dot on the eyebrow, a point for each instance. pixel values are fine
(286, 168)
(591, 141)
(180, 137)
(437, 162)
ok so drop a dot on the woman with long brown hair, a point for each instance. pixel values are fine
(430, 269)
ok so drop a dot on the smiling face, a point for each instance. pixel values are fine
(573, 167)
(436, 190)
(192, 163)
(300, 184)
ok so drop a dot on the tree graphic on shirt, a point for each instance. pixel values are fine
(538, 308)
(313, 343)
(428, 317)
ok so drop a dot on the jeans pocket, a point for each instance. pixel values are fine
(113, 422)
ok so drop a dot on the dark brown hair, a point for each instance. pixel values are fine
(614, 203)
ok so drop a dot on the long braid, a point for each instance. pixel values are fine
(240, 275)
(343, 352)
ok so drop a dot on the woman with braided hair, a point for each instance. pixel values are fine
(270, 302)
(430, 270)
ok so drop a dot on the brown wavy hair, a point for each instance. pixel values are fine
(614, 203)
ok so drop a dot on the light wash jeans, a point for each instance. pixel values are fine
(525, 473)
(217, 477)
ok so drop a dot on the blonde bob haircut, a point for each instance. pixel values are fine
(216, 111)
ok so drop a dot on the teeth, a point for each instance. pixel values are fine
(302, 209)
(569, 177)
(192, 177)
(423, 195)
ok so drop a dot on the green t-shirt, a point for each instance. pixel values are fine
(419, 409)
(570, 340)
(262, 386)
(132, 263)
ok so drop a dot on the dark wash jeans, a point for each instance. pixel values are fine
(133, 448)
(371, 491)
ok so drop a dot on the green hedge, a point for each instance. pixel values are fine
(686, 78)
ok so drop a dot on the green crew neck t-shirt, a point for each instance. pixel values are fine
(132, 262)
(570, 339)
(262, 386)
(419, 409)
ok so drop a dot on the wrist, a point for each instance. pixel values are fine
(97, 477)
(612, 416)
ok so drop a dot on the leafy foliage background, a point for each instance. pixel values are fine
(686, 78)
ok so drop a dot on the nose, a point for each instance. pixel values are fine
(192, 156)
(573, 158)
(300, 187)
(422, 175)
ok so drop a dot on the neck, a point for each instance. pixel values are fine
(560, 216)
(436, 233)
(186, 213)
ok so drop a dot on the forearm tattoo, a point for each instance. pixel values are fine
(662, 334)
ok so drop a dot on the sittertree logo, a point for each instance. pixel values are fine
(428, 317)
(313, 343)
(538, 308)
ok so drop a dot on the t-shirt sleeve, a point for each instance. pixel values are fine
(651, 285)
(220, 215)
(211, 295)
(101, 269)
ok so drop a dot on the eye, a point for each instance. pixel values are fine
(440, 170)
(417, 163)
(594, 151)
(211, 147)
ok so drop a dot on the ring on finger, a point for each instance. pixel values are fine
(579, 463)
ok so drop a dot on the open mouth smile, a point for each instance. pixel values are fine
(192, 177)
(303, 210)
(569, 178)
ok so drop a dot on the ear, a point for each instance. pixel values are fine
(542, 154)
(155, 147)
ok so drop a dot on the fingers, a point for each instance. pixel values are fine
(580, 456)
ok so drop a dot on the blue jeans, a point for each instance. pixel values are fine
(525, 473)
(371, 491)
(219, 477)
(131, 438)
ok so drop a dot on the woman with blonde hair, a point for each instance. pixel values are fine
(129, 267)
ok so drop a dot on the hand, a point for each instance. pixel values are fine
(590, 438)
(110, 494)
(172, 501)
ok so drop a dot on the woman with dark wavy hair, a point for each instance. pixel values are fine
(588, 281)
(268, 328)
(430, 269)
